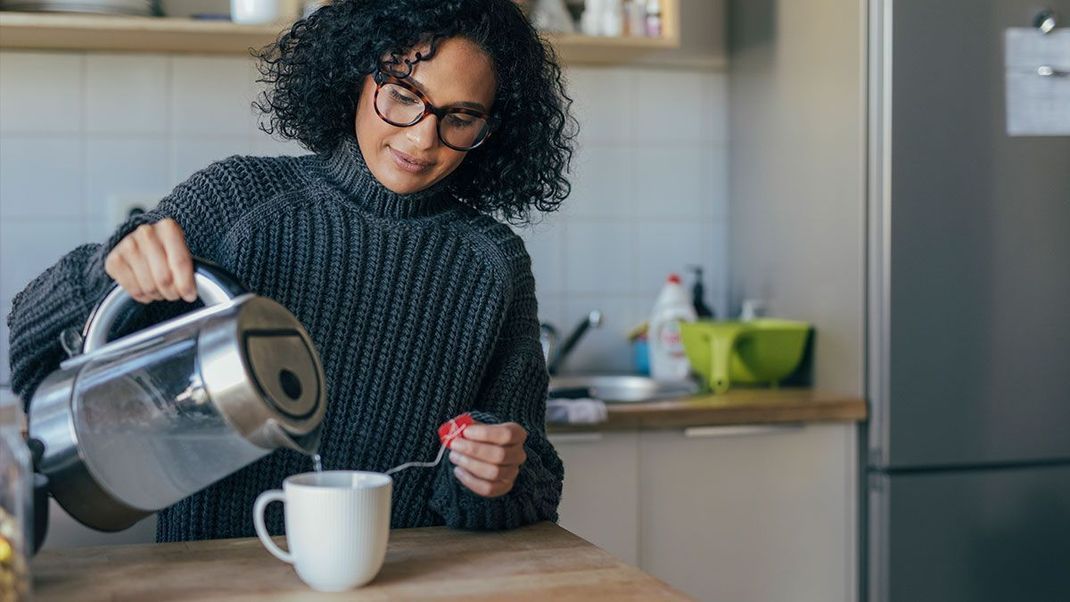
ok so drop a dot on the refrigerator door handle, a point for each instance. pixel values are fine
(1049, 71)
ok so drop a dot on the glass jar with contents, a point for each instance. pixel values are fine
(16, 480)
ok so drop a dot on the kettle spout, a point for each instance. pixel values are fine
(306, 444)
(273, 436)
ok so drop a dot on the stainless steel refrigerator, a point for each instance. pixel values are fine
(968, 300)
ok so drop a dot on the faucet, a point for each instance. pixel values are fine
(548, 336)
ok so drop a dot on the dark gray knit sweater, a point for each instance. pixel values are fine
(420, 307)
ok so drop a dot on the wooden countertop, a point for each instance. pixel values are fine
(738, 406)
(539, 562)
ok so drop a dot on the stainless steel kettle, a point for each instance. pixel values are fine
(134, 425)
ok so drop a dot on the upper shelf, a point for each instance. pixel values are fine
(44, 31)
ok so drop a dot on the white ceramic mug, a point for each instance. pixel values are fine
(255, 12)
(337, 526)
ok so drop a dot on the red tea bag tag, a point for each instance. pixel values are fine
(453, 428)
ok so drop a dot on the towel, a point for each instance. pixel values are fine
(576, 411)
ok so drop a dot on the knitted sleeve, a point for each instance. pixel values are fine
(514, 390)
(64, 295)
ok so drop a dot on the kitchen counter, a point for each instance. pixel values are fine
(738, 406)
(538, 562)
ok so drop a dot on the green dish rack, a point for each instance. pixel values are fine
(723, 353)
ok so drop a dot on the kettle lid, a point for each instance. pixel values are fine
(284, 368)
(262, 371)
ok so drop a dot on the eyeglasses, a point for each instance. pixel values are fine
(400, 104)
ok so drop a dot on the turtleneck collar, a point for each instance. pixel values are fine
(345, 165)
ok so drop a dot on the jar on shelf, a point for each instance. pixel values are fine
(16, 503)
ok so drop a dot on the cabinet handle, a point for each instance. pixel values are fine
(743, 430)
(575, 437)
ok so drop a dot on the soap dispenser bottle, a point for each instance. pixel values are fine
(668, 362)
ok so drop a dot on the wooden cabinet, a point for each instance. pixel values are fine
(756, 512)
(600, 501)
(763, 513)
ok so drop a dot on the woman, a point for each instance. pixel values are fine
(425, 118)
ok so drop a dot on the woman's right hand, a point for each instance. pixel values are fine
(153, 263)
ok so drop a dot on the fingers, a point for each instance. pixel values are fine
(488, 457)
(178, 258)
(509, 433)
(486, 470)
(153, 263)
(481, 486)
(123, 275)
(489, 453)
(139, 285)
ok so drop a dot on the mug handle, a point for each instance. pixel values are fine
(262, 501)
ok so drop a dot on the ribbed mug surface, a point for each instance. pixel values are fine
(337, 526)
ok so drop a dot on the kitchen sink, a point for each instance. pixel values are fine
(618, 388)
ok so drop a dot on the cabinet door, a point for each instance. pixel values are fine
(742, 513)
(600, 501)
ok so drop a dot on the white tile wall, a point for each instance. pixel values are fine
(664, 247)
(29, 246)
(41, 92)
(124, 167)
(599, 257)
(545, 243)
(127, 94)
(212, 96)
(649, 197)
(650, 186)
(603, 183)
(5, 368)
(41, 176)
(673, 176)
(603, 103)
(668, 106)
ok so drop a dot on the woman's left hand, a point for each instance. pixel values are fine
(487, 457)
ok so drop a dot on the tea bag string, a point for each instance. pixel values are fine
(438, 458)
(454, 431)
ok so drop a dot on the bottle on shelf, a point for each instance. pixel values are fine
(591, 20)
(603, 18)
(16, 496)
(653, 18)
(612, 18)
(635, 18)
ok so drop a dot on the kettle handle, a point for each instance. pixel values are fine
(215, 285)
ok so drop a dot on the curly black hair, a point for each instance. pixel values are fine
(315, 69)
